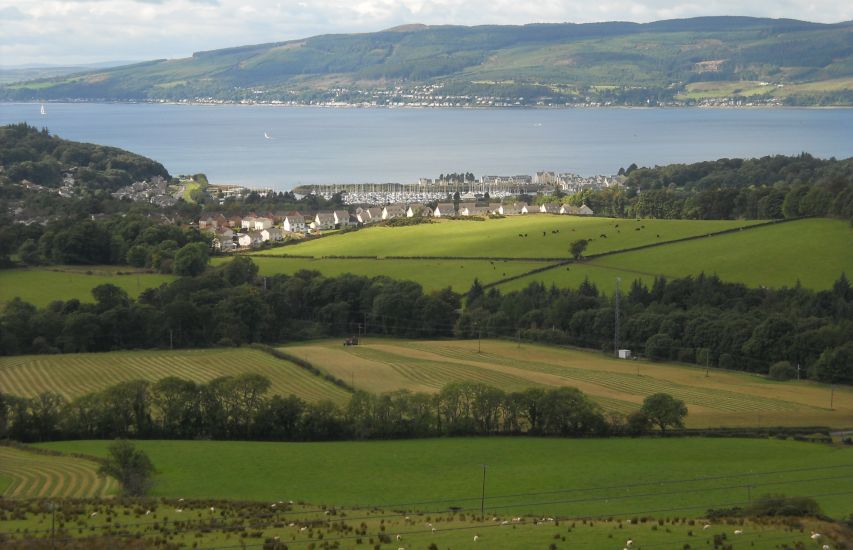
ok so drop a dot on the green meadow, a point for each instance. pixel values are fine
(547, 236)
(589, 477)
(40, 286)
(812, 251)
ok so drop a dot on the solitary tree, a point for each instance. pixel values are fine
(578, 248)
(130, 466)
(664, 410)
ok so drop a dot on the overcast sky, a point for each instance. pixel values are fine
(86, 31)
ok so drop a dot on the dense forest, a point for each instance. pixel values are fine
(27, 153)
(695, 320)
(762, 188)
(238, 407)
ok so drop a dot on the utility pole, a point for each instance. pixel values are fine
(483, 494)
(52, 525)
(831, 395)
(479, 336)
(707, 362)
(170, 339)
(616, 331)
(798, 372)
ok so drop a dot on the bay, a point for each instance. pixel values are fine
(348, 145)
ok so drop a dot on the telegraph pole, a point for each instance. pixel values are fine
(483, 493)
(616, 332)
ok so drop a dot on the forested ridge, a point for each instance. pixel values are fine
(27, 153)
(695, 319)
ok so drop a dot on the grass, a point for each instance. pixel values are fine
(431, 274)
(74, 375)
(30, 475)
(40, 286)
(232, 525)
(812, 251)
(610, 477)
(500, 237)
(725, 398)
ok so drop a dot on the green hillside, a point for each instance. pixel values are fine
(563, 62)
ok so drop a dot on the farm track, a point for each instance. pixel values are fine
(45, 476)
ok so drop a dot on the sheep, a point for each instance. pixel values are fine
(434, 529)
(814, 536)
(476, 538)
(399, 537)
(93, 514)
(211, 509)
(147, 512)
(826, 547)
(628, 543)
(706, 526)
(738, 531)
(179, 510)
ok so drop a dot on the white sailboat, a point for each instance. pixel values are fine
(42, 109)
(266, 135)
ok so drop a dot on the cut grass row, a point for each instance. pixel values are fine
(79, 374)
(42, 286)
(612, 477)
(34, 475)
(812, 251)
(722, 399)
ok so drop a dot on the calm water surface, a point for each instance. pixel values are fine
(323, 145)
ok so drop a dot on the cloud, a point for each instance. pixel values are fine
(81, 31)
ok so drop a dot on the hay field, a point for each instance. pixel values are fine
(32, 475)
(73, 375)
(725, 398)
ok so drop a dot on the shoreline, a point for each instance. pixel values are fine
(224, 103)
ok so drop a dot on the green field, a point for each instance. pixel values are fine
(74, 375)
(813, 251)
(431, 274)
(499, 238)
(30, 475)
(43, 285)
(610, 477)
(725, 398)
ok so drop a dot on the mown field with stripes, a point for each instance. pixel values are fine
(720, 398)
(35, 475)
(74, 375)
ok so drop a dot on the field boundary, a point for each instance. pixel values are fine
(303, 364)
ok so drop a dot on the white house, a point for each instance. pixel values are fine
(262, 223)
(369, 215)
(549, 208)
(569, 209)
(323, 221)
(418, 210)
(392, 211)
(272, 234)
(294, 223)
(532, 209)
(585, 210)
(248, 222)
(511, 209)
(444, 210)
(342, 218)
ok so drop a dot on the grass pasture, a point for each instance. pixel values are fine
(813, 251)
(40, 286)
(589, 477)
(430, 274)
(74, 375)
(725, 398)
(499, 238)
(31, 475)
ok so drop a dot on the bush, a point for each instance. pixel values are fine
(782, 371)
(727, 361)
(659, 347)
(780, 505)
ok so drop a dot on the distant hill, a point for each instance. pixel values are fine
(625, 62)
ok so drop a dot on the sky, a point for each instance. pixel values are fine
(61, 32)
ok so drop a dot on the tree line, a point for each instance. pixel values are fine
(774, 187)
(700, 320)
(240, 408)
